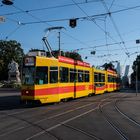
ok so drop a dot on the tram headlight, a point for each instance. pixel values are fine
(27, 92)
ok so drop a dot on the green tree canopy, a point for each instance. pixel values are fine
(9, 50)
(108, 66)
(73, 55)
(136, 63)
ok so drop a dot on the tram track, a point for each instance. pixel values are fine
(39, 121)
(112, 123)
(30, 108)
(49, 109)
(33, 108)
(36, 124)
(123, 125)
(43, 112)
(69, 120)
(83, 132)
(125, 115)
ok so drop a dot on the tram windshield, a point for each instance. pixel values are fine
(35, 75)
(28, 75)
(41, 76)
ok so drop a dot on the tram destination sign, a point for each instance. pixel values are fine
(29, 61)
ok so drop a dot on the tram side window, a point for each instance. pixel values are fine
(96, 77)
(110, 78)
(86, 76)
(63, 75)
(73, 75)
(41, 75)
(114, 79)
(102, 78)
(80, 76)
(53, 74)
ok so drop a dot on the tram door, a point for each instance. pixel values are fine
(73, 80)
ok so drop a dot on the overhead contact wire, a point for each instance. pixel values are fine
(115, 26)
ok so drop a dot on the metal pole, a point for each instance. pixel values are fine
(57, 28)
(59, 44)
(136, 79)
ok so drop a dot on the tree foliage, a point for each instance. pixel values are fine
(108, 66)
(136, 66)
(9, 50)
(73, 55)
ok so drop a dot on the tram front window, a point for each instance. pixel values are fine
(28, 75)
(41, 75)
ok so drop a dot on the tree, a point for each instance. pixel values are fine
(9, 50)
(108, 66)
(73, 55)
(135, 67)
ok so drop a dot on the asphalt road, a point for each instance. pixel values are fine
(111, 116)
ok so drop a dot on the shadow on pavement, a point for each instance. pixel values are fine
(13, 102)
(9, 101)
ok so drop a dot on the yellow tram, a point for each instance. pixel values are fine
(50, 80)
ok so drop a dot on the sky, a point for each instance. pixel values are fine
(108, 27)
